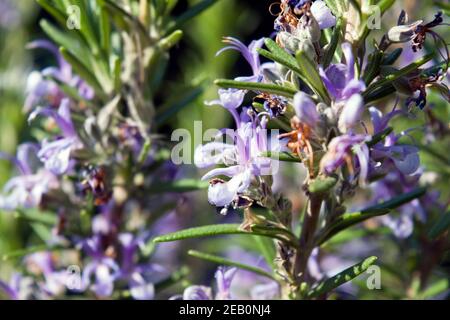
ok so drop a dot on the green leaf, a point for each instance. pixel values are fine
(83, 72)
(267, 249)
(350, 219)
(373, 68)
(70, 41)
(334, 41)
(400, 200)
(311, 76)
(52, 10)
(441, 226)
(380, 136)
(279, 55)
(281, 156)
(392, 57)
(440, 286)
(105, 30)
(387, 81)
(322, 184)
(171, 40)
(36, 216)
(226, 262)
(226, 229)
(256, 86)
(347, 275)
(199, 232)
(179, 186)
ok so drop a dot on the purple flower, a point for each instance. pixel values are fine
(343, 150)
(140, 285)
(197, 293)
(339, 79)
(40, 90)
(243, 159)
(250, 53)
(404, 157)
(224, 276)
(322, 14)
(100, 274)
(27, 189)
(396, 183)
(305, 109)
(351, 113)
(56, 154)
(18, 288)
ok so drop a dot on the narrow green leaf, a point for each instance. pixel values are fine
(400, 200)
(380, 136)
(350, 219)
(256, 86)
(226, 229)
(281, 156)
(70, 41)
(392, 57)
(55, 12)
(336, 281)
(311, 76)
(179, 186)
(105, 30)
(392, 77)
(226, 262)
(280, 55)
(36, 216)
(267, 249)
(171, 40)
(82, 71)
(441, 226)
(199, 232)
(334, 41)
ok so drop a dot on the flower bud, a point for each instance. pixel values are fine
(351, 113)
(305, 109)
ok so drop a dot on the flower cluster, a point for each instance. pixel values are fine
(332, 101)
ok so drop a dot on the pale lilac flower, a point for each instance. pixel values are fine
(323, 14)
(27, 189)
(340, 80)
(56, 154)
(41, 90)
(250, 54)
(352, 112)
(243, 159)
(100, 274)
(404, 157)
(224, 277)
(346, 149)
(18, 288)
(305, 109)
(197, 293)
(139, 276)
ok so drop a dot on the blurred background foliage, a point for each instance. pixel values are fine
(193, 66)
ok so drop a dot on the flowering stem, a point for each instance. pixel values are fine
(307, 236)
